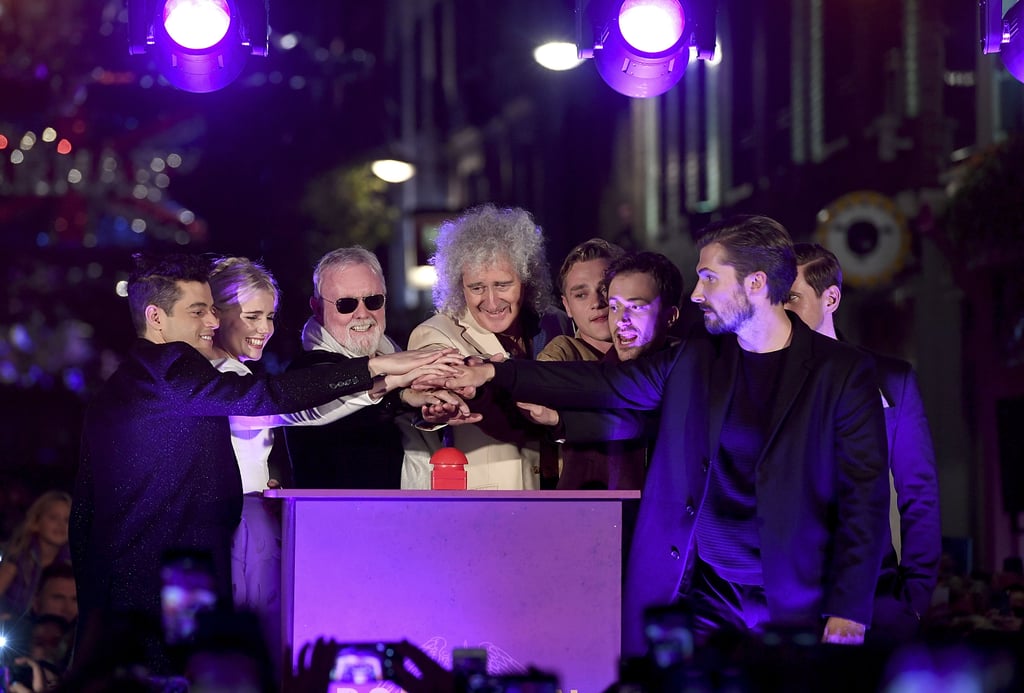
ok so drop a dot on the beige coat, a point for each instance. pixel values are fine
(494, 463)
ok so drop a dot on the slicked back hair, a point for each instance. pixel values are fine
(821, 266)
(756, 244)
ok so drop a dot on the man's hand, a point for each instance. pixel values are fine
(841, 631)
(440, 407)
(467, 379)
(440, 369)
(401, 362)
(539, 414)
(38, 680)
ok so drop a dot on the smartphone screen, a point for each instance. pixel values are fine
(363, 668)
(669, 635)
(187, 588)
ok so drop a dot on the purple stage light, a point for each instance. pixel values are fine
(198, 45)
(1013, 49)
(651, 26)
(645, 48)
(197, 24)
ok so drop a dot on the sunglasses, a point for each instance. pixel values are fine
(348, 305)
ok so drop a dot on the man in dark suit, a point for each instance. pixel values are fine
(765, 503)
(157, 470)
(910, 568)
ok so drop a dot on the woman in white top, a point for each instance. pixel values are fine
(246, 296)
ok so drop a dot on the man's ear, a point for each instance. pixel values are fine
(317, 306)
(673, 315)
(154, 317)
(756, 282)
(831, 298)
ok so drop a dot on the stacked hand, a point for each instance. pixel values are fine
(401, 363)
(439, 406)
(470, 374)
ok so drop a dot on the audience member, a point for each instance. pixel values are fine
(911, 565)
(359, 442)
(54, 615)
(157, 469)
(493, 296)
(38, 542)
(766, 498)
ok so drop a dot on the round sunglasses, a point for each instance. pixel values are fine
(348, 305)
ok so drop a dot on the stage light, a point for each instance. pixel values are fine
(197, 24)
(1004, 34)
(652, 26)
(198, 45)
(642, 47)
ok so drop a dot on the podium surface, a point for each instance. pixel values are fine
(534, 577)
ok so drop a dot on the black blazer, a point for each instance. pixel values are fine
(822, 481)
(912, 578)
(157, 469)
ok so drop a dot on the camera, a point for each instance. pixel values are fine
(361, 667)
(187, 588)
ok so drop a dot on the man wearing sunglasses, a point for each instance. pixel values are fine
(365, 449)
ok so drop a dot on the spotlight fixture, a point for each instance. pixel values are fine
(1004, 34)
(198, 45)
(641, 47)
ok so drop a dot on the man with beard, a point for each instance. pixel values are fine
(365, 448)
(641, 293)
(766, 501)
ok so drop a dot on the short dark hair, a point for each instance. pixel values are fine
(593, 249)
(58, 570)
(821, 266)
(154, 281)
(666, 275)
(756, 244)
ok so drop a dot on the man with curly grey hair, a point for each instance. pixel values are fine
(493, 295)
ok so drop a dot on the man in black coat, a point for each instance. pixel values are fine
(157, 470)
(362, 441)
(766, 500)
(910, 568)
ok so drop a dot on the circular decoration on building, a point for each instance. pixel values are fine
(868, 234)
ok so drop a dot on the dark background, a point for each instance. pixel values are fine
(275, 167)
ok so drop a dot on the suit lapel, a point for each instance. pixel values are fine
(485, 342)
